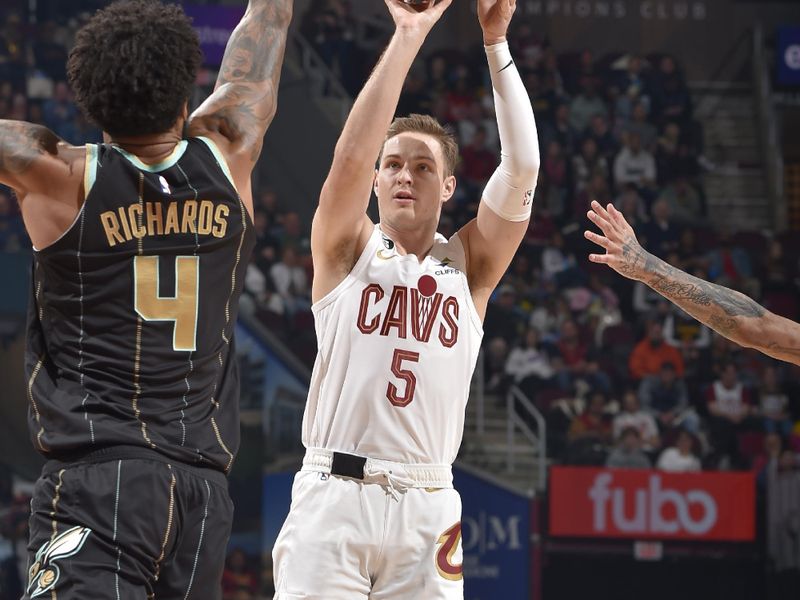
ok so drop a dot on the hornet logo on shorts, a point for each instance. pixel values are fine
(43, 574)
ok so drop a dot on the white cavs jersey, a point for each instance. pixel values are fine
(398, 342)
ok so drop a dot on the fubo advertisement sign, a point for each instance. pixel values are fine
(587, 502)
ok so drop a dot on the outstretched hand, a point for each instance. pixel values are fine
(420, 16)
(624, 254)
(494, 17)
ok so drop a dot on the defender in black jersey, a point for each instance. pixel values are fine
(141, 244)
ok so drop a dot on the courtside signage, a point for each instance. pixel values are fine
(625, 503)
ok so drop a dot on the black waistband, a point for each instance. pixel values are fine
(348, 465)
(122, 452)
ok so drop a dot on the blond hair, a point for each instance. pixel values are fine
(426, 124)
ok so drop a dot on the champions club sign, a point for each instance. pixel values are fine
(622, 503)
(648, 10)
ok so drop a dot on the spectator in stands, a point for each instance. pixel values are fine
(680, 458)
(293, 234)
(729, 264)
(632, 81)
(267, 247)
(640, 125)
(632, 416)
(585, 70)
(551, 73)
(269, 204)
(586, 105)
(628, 453)
(652, 352)
(560, 130)
(599, 131)
(631, 204)
(548, 317)
(586, 165)
(529, 365)
(12, 232)
(558, 264)
(12, 52)
(579, 359)
(495, 377)
(635, 165)
(478, 162)
(683, 331)
(556, 176)
(774, 404)
(597, 189)
(593, 422)
(238, 577)
(674, 157)
(662, 233)
(259, 291)
(685, 204)
(290, 280)
(667, 399)
(671, 99)
(59, 113)
(50, 55)
(327, 25)
(416, 97)
(729, 407)
(503, 318)
(768, 458)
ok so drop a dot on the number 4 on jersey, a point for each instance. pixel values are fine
(181, 308)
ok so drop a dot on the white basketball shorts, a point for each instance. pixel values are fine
(346, 539)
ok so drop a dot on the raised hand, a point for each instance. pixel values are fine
(624, 254)
(419, 16)
(494, 17)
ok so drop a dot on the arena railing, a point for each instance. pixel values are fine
(768, 128)
(327, 84)
(517, 402)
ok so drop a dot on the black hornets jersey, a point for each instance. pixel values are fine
(131, 321)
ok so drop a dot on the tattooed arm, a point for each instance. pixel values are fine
(237, 114)
(47, 175)
(726, 311)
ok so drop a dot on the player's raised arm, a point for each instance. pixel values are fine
(245, 98)
(493, 237)
(340, 221)
(32, 158)
(726, 311)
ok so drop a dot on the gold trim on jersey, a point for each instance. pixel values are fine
(32, 400)
(222, 444)
(227, 322)
(170, 514)
(137, 360)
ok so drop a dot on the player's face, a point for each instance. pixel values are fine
(410, 182)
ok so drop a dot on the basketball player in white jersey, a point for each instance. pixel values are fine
(399, 313)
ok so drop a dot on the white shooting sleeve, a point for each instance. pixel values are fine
(509, 192)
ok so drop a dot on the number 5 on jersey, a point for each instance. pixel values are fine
(392, 393)
(181, 308)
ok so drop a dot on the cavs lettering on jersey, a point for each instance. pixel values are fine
(130, 333)
(398, 342)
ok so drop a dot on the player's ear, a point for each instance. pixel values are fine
(375, 183)
(448, 188)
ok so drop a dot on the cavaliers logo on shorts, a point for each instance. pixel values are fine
(44, 573)
(448, 544)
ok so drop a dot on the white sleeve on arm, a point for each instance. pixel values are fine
(509, 192)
